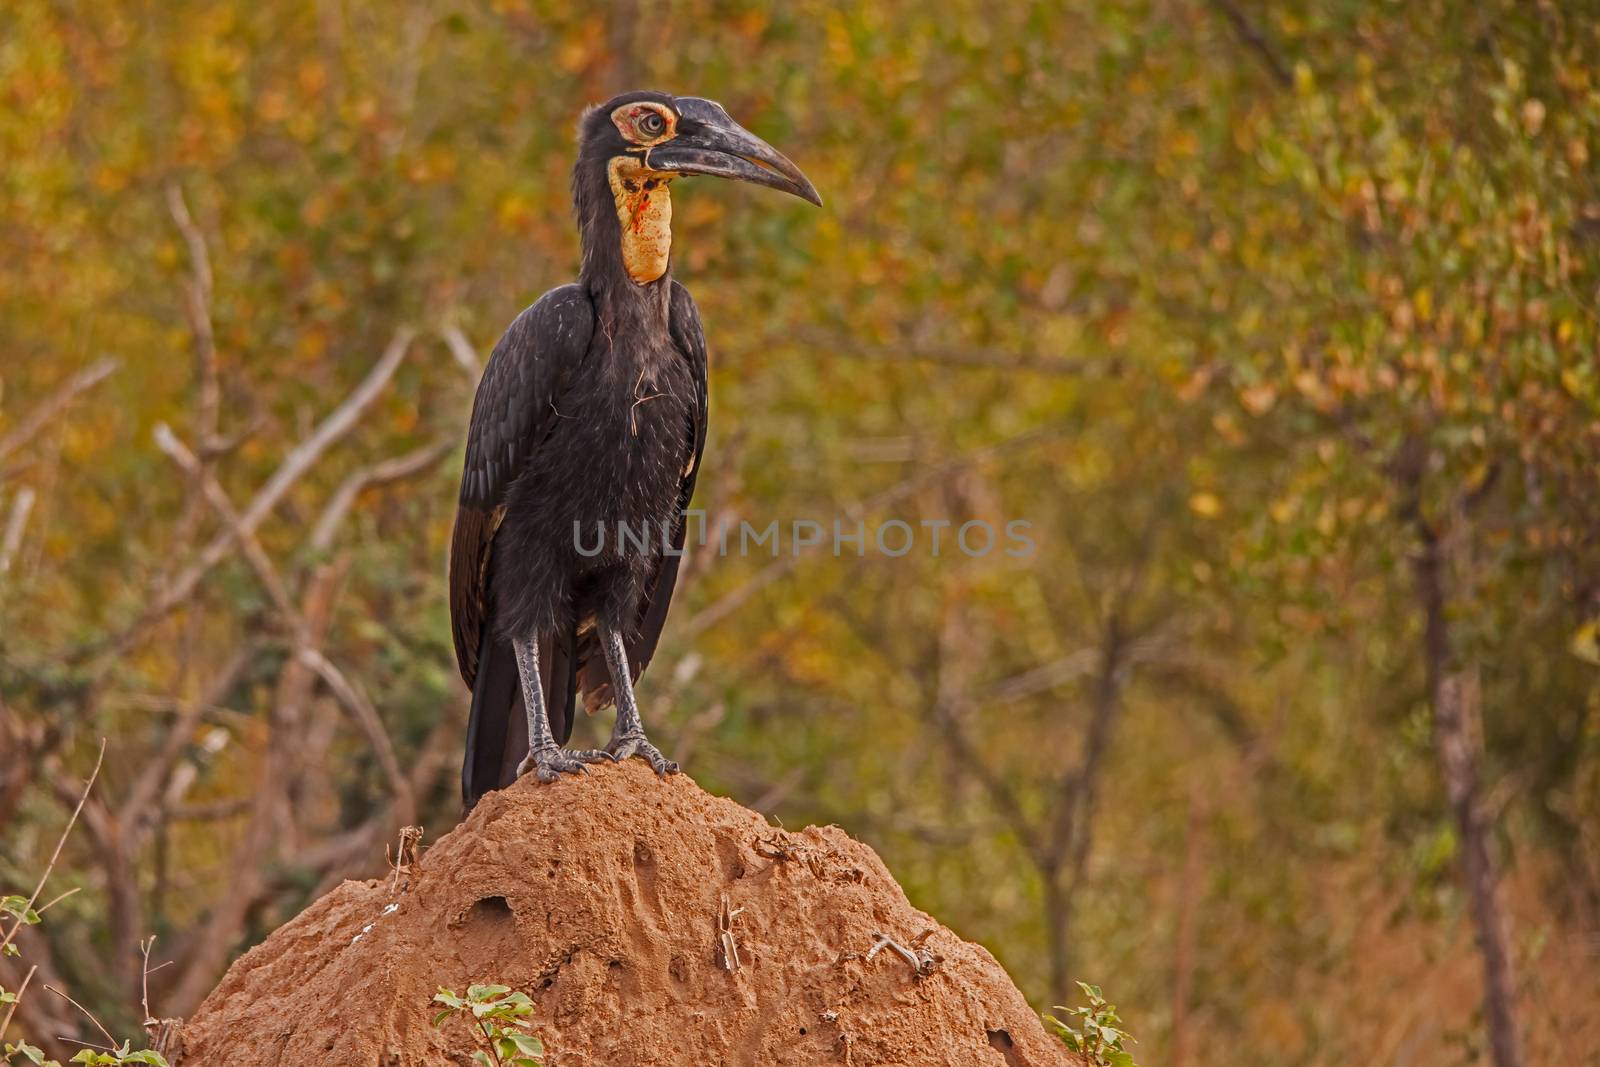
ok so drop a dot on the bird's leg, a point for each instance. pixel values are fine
(627, 737)
(546, 759)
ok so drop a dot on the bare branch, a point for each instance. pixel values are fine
(6, 1024)
(244, 538)
(140, 802)
(87, 1014)
(1048, 676)
(1256, 41)
(21, 507)
(270, 806)
(461, 348)
(144, 978)
(199, 259)
(58, 898)
(54, 404)
(921, 962)
(198, 300)
(369, 722)
(386, 472)
(300, 459)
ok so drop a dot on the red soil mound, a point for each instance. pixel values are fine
(603, 898)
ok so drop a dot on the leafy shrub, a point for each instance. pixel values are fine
(495, 1015)
(1098, 1035)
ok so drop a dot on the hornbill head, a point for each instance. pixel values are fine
(637, 143)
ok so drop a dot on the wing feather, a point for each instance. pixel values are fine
(510, 417)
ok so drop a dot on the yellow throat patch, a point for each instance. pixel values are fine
(644, 207)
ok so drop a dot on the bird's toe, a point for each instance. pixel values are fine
(630, 745)
(548, 764)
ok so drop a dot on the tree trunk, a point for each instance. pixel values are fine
(1183, 948)
(1457, 741)
(1058, 924)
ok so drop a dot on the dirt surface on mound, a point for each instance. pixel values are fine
(604, 898)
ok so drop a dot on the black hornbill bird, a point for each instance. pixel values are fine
(589, 424)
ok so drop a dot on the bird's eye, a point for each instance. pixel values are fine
(651, 124)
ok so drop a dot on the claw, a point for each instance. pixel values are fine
(548, 764)
(630, 745)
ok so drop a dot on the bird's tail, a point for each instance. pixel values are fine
(497, 728)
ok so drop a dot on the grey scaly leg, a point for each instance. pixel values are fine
(627, 737)
(546, 759)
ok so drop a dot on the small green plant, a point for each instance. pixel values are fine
(101, 1057)
(17, 912)
(495, 1015)
(1098, 1035)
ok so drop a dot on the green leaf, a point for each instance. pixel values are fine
(525, 1044)
(33, 1053)
(17, 907)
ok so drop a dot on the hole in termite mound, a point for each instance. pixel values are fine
(488, 929)
(1000, 1041)
(488, 911)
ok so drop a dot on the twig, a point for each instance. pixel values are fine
(54, 404)
(461, 349)
(21, 507)
(198, 292)
(217, 497)
(60, 844)
(729, 944)
(156, 770)
(405, 854)
(56, 900)
(144, 979)
(86, 1044)
(23, 988)
(921, 963)
(1255, 40)
(382, 473)
(86, 1013)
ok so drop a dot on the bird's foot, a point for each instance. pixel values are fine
(636, 744)
(548, 764)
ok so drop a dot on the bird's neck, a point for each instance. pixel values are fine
(625, 222)
(643, 198)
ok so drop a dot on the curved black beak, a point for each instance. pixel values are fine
(709, 142)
